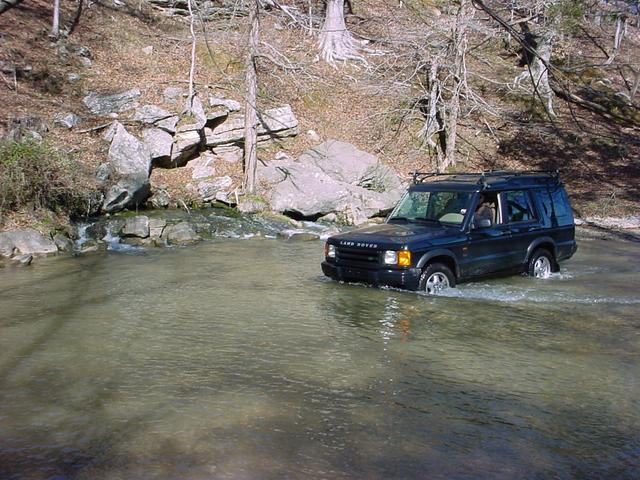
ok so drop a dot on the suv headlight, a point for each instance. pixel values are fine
(329, 251)
(401, 258)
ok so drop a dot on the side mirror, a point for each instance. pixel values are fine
(482, 223)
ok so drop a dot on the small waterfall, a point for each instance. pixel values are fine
(82, 236)
(114, 242)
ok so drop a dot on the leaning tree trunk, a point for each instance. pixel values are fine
(336, 42)
(250, 114)
(7, 4)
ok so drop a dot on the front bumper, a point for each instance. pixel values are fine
(408, 278)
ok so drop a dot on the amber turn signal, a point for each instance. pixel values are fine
(404, 258)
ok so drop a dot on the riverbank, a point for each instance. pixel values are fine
(179, 228)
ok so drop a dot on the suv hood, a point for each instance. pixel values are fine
(393, 235)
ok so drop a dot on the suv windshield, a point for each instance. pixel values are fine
(436, 207)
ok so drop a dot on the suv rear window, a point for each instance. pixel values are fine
(518, 205)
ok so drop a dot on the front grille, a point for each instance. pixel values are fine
(357, 257)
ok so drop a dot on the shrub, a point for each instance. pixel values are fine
(33, 174)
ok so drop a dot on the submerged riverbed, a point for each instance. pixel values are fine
(238, 359)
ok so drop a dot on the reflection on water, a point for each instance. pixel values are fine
(237, 359)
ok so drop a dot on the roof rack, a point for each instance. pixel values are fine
(482, 177)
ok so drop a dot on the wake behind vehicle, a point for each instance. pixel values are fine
(450, 228)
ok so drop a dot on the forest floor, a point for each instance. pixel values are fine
(364, 104)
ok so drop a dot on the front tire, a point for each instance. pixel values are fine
(436, 278)
(540, 264)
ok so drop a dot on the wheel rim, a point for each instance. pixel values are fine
(542, 267)
(436, 282)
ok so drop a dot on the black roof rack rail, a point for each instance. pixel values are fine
(419, 177)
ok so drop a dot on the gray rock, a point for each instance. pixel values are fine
(156, 227)
(26, 242)
(169, 124)
(252, 205)
(73, 77)
(128, 155)
(298, 235)
(172, 94)
(67, 120)
(130, 191)
(103, 172)
(231, 154)
(160, 199)
(84, 51)
(7, 247)
(341, 161)
(137, 226)
(150, 114)
(24, 260)
(208, 190)
(185, 146)
(334, 178)
(180, 234)
(103, 104)
(148, 50)
(64, 243)
(193, 116)
(273, 123)
(313, 136)
(202, 167)
(159, 144)
(86, 62)
(230, 105)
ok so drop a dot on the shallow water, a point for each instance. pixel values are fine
(238, 359)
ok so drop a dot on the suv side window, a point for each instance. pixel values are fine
(518, 206)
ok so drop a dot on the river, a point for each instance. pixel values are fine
(237, 359)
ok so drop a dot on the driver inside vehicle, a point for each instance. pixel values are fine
(486, 210)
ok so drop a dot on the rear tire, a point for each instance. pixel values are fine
(540, 264)
(436, 278)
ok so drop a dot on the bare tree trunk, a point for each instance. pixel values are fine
(336, 42)
(433, 130)
(621, 27)
(192, 69)
(250, 114)
(55, 29)
(7, 4)
(459, 47)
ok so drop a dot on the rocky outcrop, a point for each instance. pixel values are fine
(26, 242)
(333, 178)
(272, 124)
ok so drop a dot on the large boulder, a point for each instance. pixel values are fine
(104, 104)
(130, 191)
(128, 155)
(137, 226)
(26, 242)
(159, 143)
(130, 163)
(180, 234)
(333, 178)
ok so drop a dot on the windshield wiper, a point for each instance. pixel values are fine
(399, 219)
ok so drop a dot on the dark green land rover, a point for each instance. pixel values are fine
(450, 228)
